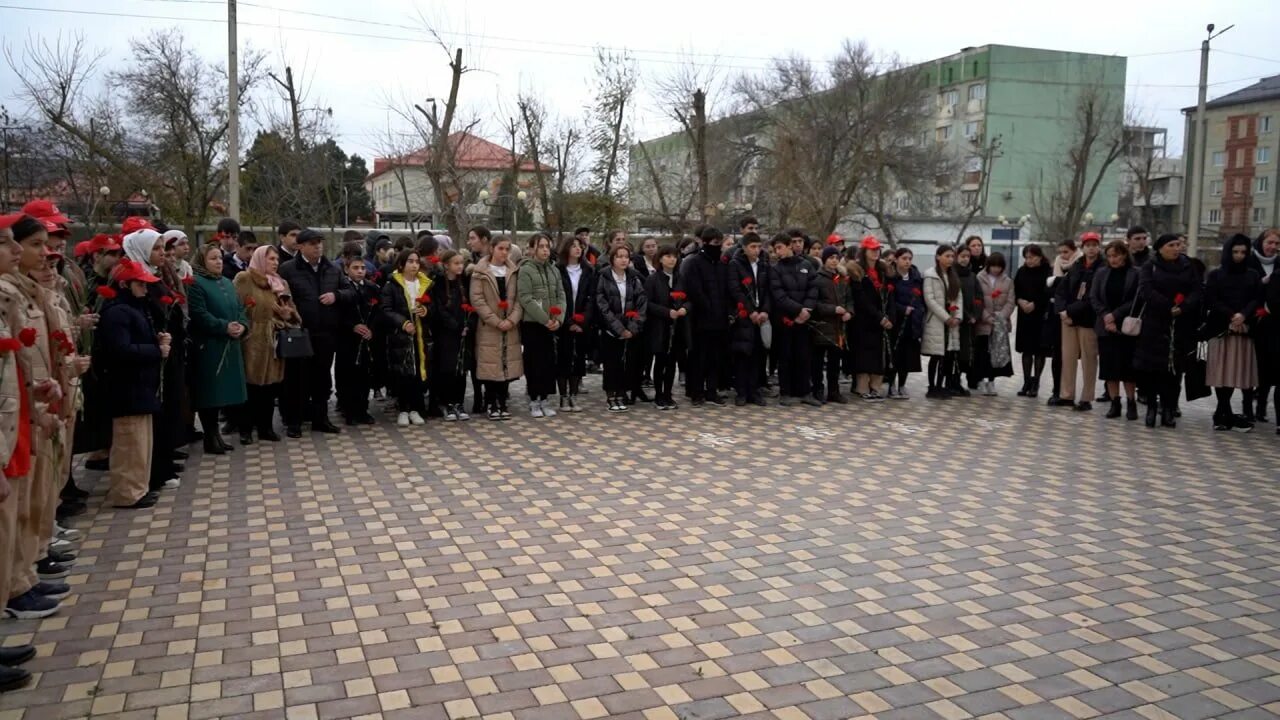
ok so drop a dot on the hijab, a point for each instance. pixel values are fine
(138, 246)
(258, 264)
(1228, 263)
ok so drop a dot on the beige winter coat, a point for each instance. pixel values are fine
(994, 307)
(266, 314)
(498, 355)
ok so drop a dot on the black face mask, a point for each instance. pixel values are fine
(711, 250)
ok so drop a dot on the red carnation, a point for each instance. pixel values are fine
(742, 313)
(555, 311)
(1177, 299)
(9, 345)
(631, 314)
(166, 300)
(424, 299)
(373, 302)
(27, 336)
(503, 305)
(1261, 312)
(952, 308)
(788, 321)
(890, 287)
(250, 302)
(377, 277)
(182, 299)
(877, 285)
(106, 292)
(468, 308)
(916, 292)
(678, 295)
(995, 294)
(835, 279)
(741, 306)
(189, 280)
(433, 259)
(724, 259)
(579, 319)
(746, 281)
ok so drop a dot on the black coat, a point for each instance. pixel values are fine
(1071, 294)
(613, 312)
(909, 292)
(1160, 282)
(1267, 334)
(872, 304)
(448, 321)
(665, 334)
(1229, 289)
(703, 277)
(359, 305)
(1102, 307)
(583, 302)
(306, 286)
(229, 268)
(833, 292)
(1031, 284)
(748, 293)
(127, 357)
(792, 288)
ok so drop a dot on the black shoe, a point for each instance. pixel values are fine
(16, 655)
(271, 435)
(70, 508)
(52, 590)
(958, 392)
(1152, 413)
(1131, 410)
(1083, 406)
(786, 401)
(366, 419)
(1221, 423)
(212, 446)
(229, 428)
(716, 400)
(47, 569)
(293, 431)
(1104, 397)
(102, 465)
(811, 401)
(936, 394)
(183, 454)
(1168, 418)
(13, 679)
(697, 402)
(640, 397)
(837, 398)
(66, 557)
(148, 500)
(1115, 410)
(739, 401)
(760, 400)
(1241, 424)
(71, 491)
(324, 426)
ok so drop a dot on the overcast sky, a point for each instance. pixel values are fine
(380, 54)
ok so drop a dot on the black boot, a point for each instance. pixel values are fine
(1114, 412)
(213, 443)
(1152, 412)
(1260, 414)
(1168, 417)
(1131, 410)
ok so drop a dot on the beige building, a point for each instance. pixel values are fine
(1240, 189)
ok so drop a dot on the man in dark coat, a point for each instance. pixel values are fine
(237, 261)
(703, 276)
(794, 297)
(287, 235)
(314, 283)
(1139, 241)
(749, 289)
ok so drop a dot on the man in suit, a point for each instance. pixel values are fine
(237, 261)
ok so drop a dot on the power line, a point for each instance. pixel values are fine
(1251, 57)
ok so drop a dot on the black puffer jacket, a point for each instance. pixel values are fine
(307, 285)
(833, 292)
(613, 311)
(703, 276)
(748, 293)
(793, 288)
(1160, 284)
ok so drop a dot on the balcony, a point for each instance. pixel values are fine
(976, 106)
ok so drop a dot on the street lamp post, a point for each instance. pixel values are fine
(500, 200)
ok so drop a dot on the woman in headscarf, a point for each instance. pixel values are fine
(269, 307)
(1232, 296)
(177, 248)
(1266, 248)
(217, 364)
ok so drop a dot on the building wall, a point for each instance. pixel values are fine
(1240, 193)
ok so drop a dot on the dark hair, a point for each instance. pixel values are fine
(426, 246)
(794, 232)
(583, 229)
(1070, 243)
(247, 237)
(287, 226)
(403, 256)
(750, 238)
(951, 278)
(748, 220)
(613, 252)
(971, 238)
(481, 232)
(665, 250)
(563, 252)
(904, 250)
(1033, 249)
(228, 226)
(1135, 230)
(615, 233)
(425, 233)
(809, 243)
(350, 235)
(25, 227)
(711, 234)
(448, 255)
(353, 250)
(780, 239)
(996, 259)
(538, 237)
(404, 242)
(1120, 246)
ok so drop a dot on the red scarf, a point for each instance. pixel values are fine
(20, 462)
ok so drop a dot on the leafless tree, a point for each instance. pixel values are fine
(688, 96)
(610, 133)
(1062, 193)
(823, 129)
(979, 162)
(666, 189)
(1143, 165)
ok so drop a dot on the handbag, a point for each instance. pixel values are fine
(1132, 325)
(293, 343)
(766, 334)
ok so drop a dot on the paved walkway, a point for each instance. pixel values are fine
(1011, 562)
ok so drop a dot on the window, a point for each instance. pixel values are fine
(901, 203)
(924, 138)
(969, 198)
(978, 92)
(1215, 187)
(943, 133)
(1262, 184)
(940, 200)
(972, 129)
(1219, 159)
(1264, 124)
(950, 98)
(1215, 217)
(1239, 158)
(1258, 215)
(1237, 186)
(1233, 129)
(1263, 156)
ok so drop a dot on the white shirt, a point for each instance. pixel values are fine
(498, 270)
(411, 287)
(649, 266)
(575, 275)
(622, 287)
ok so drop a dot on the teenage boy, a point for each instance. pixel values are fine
(237, 262)
(795, 295)
(227, 236)
(287, 240)
(749, 289)
(703, 277)
(354, 350)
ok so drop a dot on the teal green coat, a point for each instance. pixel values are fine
(217, 362)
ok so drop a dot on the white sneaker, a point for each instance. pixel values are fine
(535, 409)
(64, 533)
(450, 414)
(416, 419)
(461, 414)
(402, 419)
(547, 410)
(172, 484)
(58, 545)
(991, 388)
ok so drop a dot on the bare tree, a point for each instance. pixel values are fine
(1062, 193)
(1143, 165)
(673, 190)
(688, 96)
(616, 78)
(825, 128)
(980, 163)
(902, 169)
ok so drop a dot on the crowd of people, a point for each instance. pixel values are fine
(135, 345)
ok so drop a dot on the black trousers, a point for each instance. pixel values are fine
(705, 355)
(539, 360)
(259, 411)
(746, 371)
(664, 374)
(621, 365)
(448, 387)
(308, 384)
(497, 392)
(795, 358)
(352, 380)
(826, 364)
(410, 393)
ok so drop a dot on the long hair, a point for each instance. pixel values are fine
(951, 277)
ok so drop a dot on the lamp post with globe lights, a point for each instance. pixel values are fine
(731, 213)
(500, 202)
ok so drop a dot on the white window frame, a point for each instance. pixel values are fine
(1258, 215)
(942, 133)
(978, 91)
(1262, 184)
(976, 126)
(1262, 156)
(1215, 187)
(1215, 216)
(1264, 124)
(1219, 158)
(951, 98)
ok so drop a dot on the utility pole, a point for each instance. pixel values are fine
(1197, 168)
(233, 115)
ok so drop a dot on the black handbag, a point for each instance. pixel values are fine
(293, 343)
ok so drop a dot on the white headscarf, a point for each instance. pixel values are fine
(138, 246)
(182, 267)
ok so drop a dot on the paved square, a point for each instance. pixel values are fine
(988, 557)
